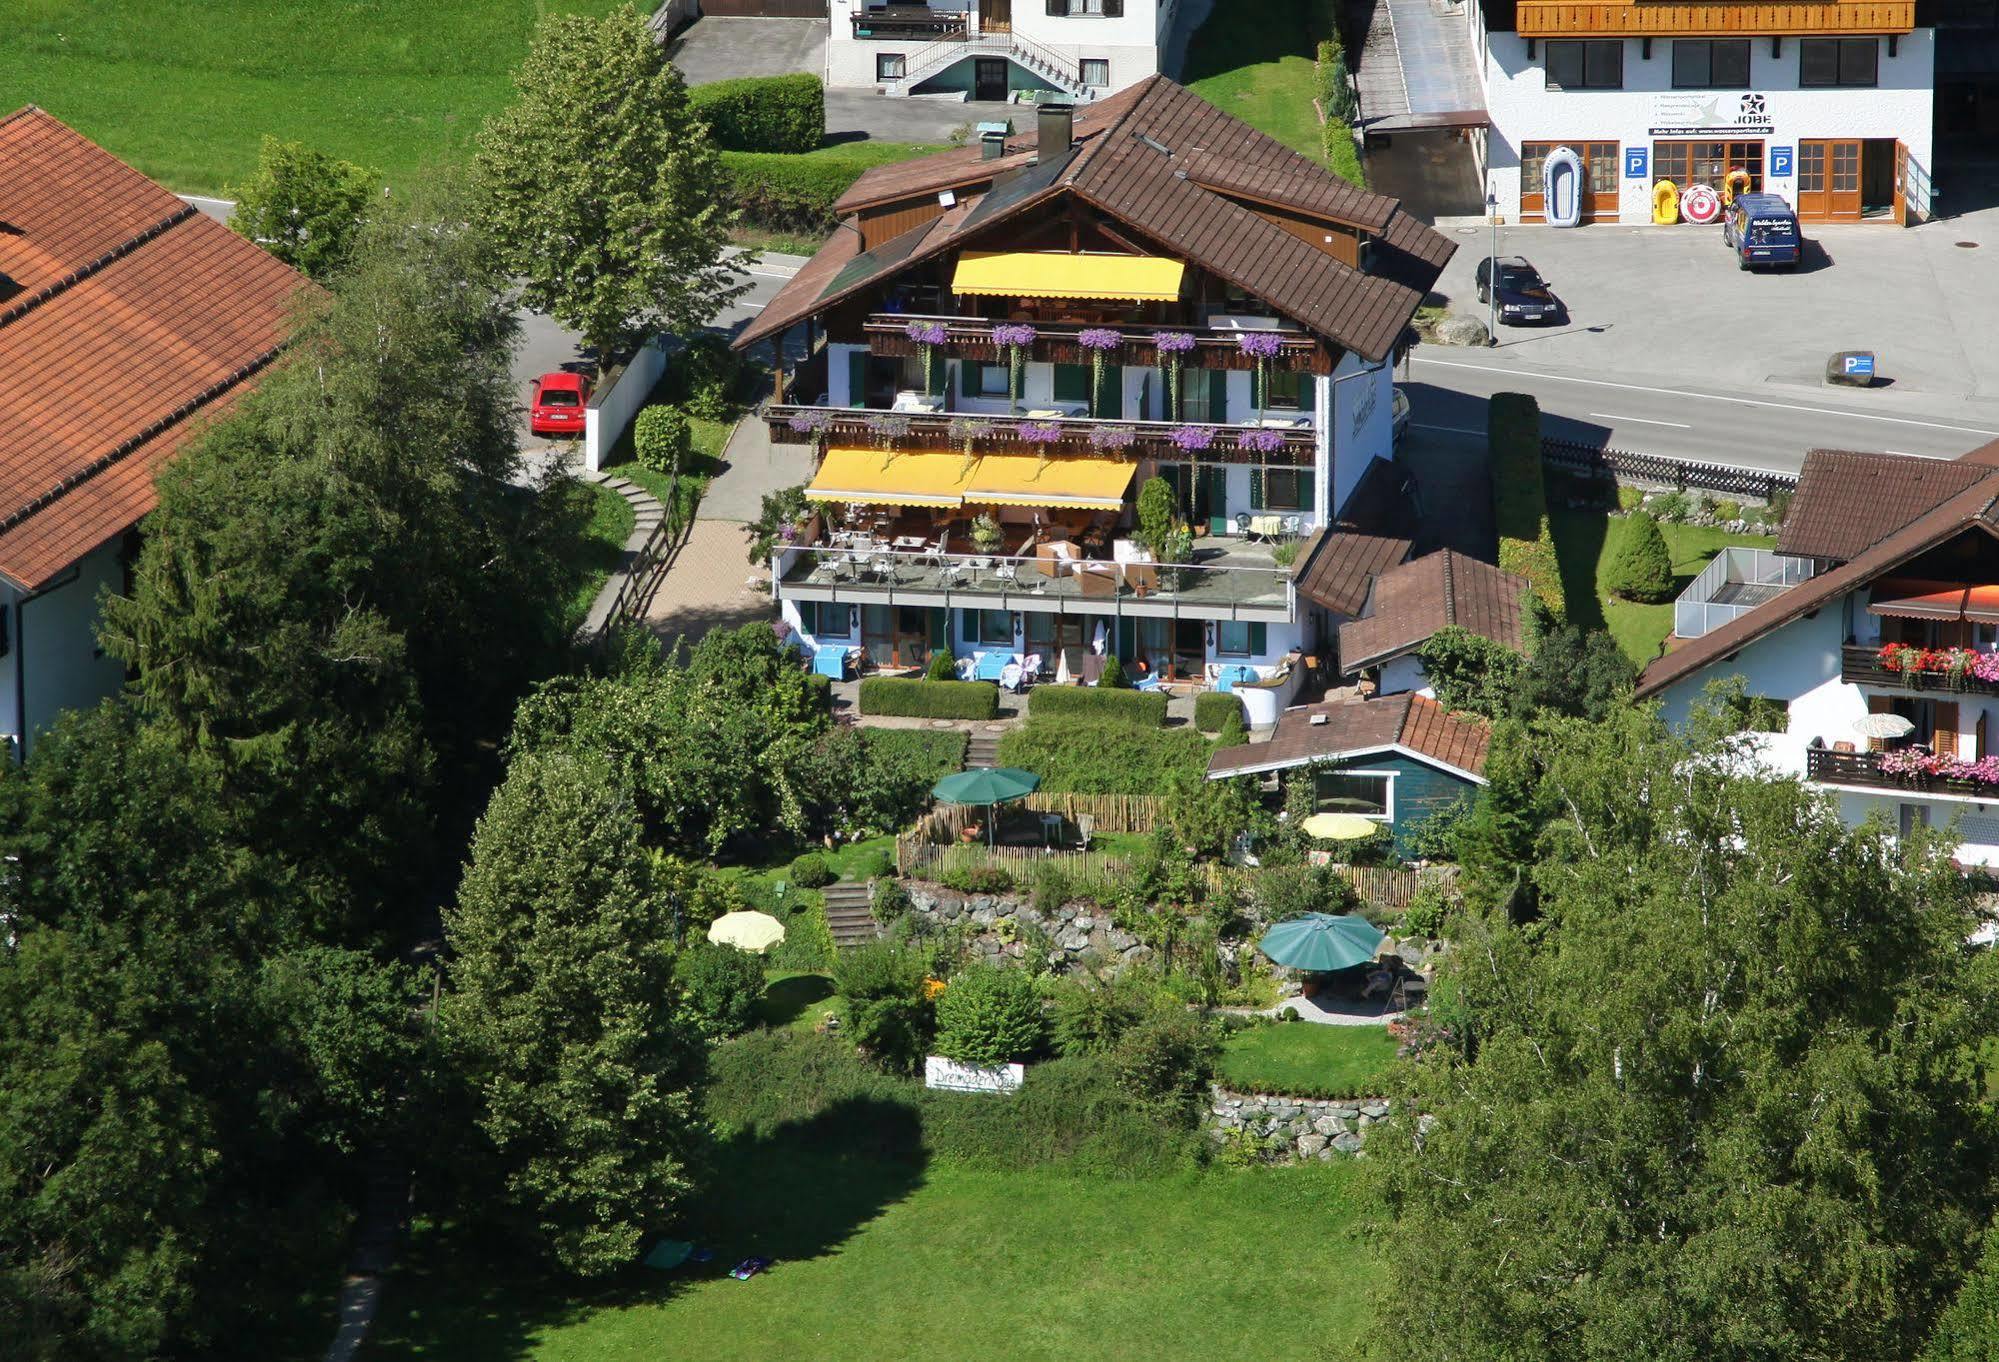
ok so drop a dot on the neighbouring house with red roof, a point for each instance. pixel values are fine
(1018, 336)
(127, 320)
(1868, 643)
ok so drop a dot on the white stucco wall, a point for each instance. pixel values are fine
(1361, 428)
(1400, 675)
(1130, 44)
(1523, 109)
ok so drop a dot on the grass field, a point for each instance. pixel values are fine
(596, 552)
(889, 1259)
(1300, 1059)
(1585, 545)
(184, 89)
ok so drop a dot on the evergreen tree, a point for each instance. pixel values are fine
(1642, 569)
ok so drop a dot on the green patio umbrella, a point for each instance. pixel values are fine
(987, 785)
(1320, 942)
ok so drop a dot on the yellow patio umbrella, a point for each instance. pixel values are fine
(1338, 827)
(754, 932)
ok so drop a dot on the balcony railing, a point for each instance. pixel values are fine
(1290, 445)
(1860, 665)
(1734, 583)
(909, 21)
(1056, 342)
(1864, 769)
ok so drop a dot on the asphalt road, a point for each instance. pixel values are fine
(1770, 426)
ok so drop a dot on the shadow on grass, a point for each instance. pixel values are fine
(784, 1197)
(785, 1000)
(1581, 538)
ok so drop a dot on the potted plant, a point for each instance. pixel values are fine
(1101, 342)
(986, 533)
(1173, 347)
(1014, 338)
(1261, 346)
(928, 336)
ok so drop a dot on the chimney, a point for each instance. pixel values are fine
(992, 146)
(1057, 127)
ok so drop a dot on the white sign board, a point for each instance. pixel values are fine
(1689, 114)
(951, 1076)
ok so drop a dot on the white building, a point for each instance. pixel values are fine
(992, 49)
(1884, 552)
(1827, 103)
(129, 318)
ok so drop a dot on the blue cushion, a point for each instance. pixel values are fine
(991, 665)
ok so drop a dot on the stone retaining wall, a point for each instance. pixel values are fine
(1294, 1127)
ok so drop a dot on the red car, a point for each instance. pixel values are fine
(555, 403)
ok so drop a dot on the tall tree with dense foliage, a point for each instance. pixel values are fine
(1720, 1100)
(605, 191)
(563, 1021)
(303, 206)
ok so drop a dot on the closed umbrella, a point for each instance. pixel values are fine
(1338, 827)
(1320, 942)
(987, 785)
(1884, 726)
(753, 932)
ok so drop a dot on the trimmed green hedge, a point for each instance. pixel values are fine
(898, 696)
(1212, 709)
(1139, 708)
(1520, 497)
(1095, 755)
(797, 192)
(764, 113)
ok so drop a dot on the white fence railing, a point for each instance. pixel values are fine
(1696, 612)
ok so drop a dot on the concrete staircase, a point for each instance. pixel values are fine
(982, 750)
(849, 915)
(1060, 71)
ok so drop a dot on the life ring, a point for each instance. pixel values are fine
(1700, 204)
(1735, 183)
(1665, 203)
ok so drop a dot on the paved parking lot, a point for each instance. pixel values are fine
(1669, 303)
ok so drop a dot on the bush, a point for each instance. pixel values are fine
(1520, 496)
(810, 871)
(1284, 892)
(943, 666)
(1234, 731)
(1630, 499)
(1113, 677)
(1642, 568)
(891, 902)
(797, 193)
(895, 1032)
(977, 879)
(663, 439)
(1470, 672)
(719, 987)
(1428, 908)
(1140, 708)
(1779, 507)
(1727, 510)
(893, 695)
(1212, 709)
(1167, 1055)
(1672, 507)
(988, 1015)
(1069, 1112)
(763, 113)
(879, 969)
(703, 374)
(1336, 138)
(1050, 886)
(1099, 756)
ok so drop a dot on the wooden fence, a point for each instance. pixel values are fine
(1681, 474)
(1392, 886)
(1107, 813)
(928, 860)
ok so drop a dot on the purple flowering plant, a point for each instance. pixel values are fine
(1112, 439)
(1192, 439)
(1261, 441)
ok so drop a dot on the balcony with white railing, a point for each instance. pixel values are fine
(1274, 441)
(1734, 583)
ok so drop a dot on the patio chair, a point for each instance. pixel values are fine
(1030, 669)
(1242, 526)
(1008, 573)
(1292, 526)
(991, 665)
(883, 567)
(1411, 990)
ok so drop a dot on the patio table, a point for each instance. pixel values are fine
(910, 543)
(1266, 526)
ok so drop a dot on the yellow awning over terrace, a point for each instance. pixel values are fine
(1024, 480)
(1058, 274)
(880, 477)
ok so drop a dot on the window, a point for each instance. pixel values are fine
(1285, 489)
(1596, 65)
(991, 628)
(1096, 72)
(992, 380)
(1284, 389)
(1600, 164)
(1710, 63)
(1838, 61)
(1347, 792)
(1233, 638)
(1110, 9)
(1708, 163)
(889, 66)
(1072, 382)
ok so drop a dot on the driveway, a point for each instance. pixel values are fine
(721, 48)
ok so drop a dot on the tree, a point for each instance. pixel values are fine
(1642, 568)
(1969, 1329)
(303, 206)
(988, 1015)
(1112, 677)
(606, 193)
(563, 1018)
(1470, 672)
(1582, 675)
(719, 987)
(1720, 1100)
(1158, 516)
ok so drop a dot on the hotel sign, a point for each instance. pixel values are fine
(1697, 114)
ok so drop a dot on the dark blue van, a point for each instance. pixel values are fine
(1763, 232)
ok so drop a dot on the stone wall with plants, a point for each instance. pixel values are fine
(1266, 1128)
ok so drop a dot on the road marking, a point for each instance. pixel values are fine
(1642, 420)
(772, 274)
(751, 307)
(1454, 430)
(1707, 397)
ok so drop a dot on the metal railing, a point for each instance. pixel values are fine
(1666, 471)
(1697, 611)
(628, 604)
(972, 338)
(1043, 61)
(908, 21)
(1293, 446)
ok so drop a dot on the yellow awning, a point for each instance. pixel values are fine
(1057, 274)
(1024, 480)
(879, 477)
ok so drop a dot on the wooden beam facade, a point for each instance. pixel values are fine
(1557, 18)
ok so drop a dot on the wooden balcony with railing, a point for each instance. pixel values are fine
(1269, 444)
(888, 333)
(1863, 769)
(909, 21)
(1860, 664)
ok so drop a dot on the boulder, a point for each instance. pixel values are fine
(1329, 1126)
(1458, 329)
(1348, 1143)
(1376, 1110)
(1310, 1146)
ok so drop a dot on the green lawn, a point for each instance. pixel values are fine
(800, 999)
(595, 552)
(1302, 1059)
(184, 89)
(1585, 545)
(1253, 59)
(880, 1259)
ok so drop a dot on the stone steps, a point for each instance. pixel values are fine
(849, 913)
(982, 750)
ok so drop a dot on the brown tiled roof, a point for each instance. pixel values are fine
(1415, 722)
(1847, 501)
(1976, 507)
(135, 314)
(1415, 600)
(1135, 161)
(1336, 567)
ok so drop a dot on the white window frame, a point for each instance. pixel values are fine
(901, 60)
(1389, 799)
(1083, 65)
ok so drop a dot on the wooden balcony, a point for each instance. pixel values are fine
(887, 333)
(908, 21)
(1863, 769)
(1296, 447)
(1860, 665)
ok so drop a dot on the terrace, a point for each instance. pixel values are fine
(1864, 770)
(1274, 440)
(1216, 342)
(1734, 583)
(908, 21)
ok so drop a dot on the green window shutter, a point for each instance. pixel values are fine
(1214, 504)
(1107, 403)
(857, 378)
(1256, 489)
(940, 376)
(1218, 396)
(1127, 642)
(1305, 490)
(808, 617)
(940, 627)
(1072, 382)
(1259, 639)
(968, 378)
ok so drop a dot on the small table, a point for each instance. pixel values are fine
(1266, 526)
(909, 543)
(1051, 829)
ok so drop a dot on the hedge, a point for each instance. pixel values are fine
(764, 113)
(1212, 709)
(1105, 756)
(894, 695)
(1139, 708)
(798, 192)
(1520, 497)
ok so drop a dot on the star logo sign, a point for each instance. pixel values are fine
(1752, 105)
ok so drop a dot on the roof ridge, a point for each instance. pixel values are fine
(25, 110)
(21, 307)
(1450, 591)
